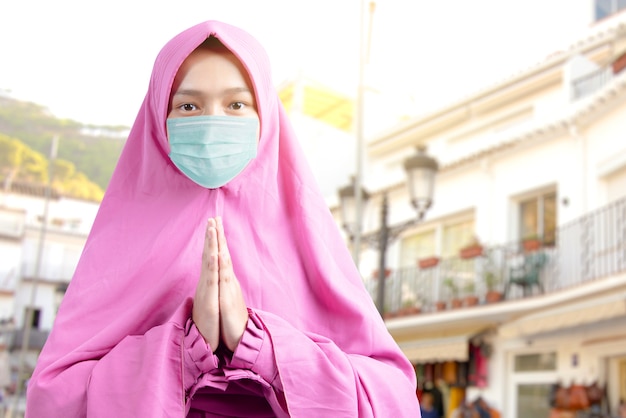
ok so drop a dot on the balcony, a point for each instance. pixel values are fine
(590, 83)
(588, 249)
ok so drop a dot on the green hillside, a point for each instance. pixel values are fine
(86, 154)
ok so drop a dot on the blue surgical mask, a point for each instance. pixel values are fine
(212, 150)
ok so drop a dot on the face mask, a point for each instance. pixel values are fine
(212, 150)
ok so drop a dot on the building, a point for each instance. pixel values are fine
(539, 155)
(42, 235)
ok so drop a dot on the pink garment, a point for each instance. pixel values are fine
(123, 344)
(479, 367)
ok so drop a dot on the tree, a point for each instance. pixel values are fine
(11, 154)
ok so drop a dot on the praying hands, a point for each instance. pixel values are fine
(219, 310)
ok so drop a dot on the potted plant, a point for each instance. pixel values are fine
(492, 281)
(453, 287)
(440, 305)
(411, 306)
(388, 313)
(470, 297)
(471, 250)
(531, 242)
(375, 273)
(428, 262)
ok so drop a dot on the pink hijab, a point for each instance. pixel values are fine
(115, 348)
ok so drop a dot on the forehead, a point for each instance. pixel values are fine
(207, 65)
(211, 63)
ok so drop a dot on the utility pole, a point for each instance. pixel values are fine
(28, 320)
(366, 39)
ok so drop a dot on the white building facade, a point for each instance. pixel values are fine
(42, 235)
(539, 155)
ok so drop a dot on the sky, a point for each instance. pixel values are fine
(90, 61)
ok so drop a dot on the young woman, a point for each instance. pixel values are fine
(215, 281)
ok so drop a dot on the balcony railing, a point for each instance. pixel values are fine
(589, 83)
(49, 271)
(590, 248)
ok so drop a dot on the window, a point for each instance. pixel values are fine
(532, 375)
(535, 362)
(35, 319)
(417, 246)
(457, 236)
(616, 185)
(445, 240)
(605, 8)
(538, 217)
(533, 400)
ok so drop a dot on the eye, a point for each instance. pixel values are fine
(237, 105)
(187, 107)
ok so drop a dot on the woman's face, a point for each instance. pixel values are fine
(212, 83)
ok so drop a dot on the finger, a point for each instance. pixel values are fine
(206, 302)
(221, 236)
(225, 263)
(233, 311)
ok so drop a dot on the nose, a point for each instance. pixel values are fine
(213, 109)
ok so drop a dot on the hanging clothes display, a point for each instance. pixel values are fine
(462, 373)
(438, 374)
(449, 372)
(478, 364)
(457, 397)
(429, 372)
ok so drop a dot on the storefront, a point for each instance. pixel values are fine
(557, 356)
(567, 362)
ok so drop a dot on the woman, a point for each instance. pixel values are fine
(258, 311)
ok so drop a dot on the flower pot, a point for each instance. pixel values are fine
(428, 262)
(410, 310)
(531, 244)
(387, 274)
(471, 251)
(440, 305)
(389, 315)
(471, 300)
(456, 303)
(493, 296)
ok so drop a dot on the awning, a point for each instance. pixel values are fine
(571, 315)
(435, 350)
(441, 346)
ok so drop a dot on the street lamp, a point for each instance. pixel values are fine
(348, 201)
(420, 170)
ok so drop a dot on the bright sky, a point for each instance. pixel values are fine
(91, 60)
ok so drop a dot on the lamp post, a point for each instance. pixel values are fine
(421, 170)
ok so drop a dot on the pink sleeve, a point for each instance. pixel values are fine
(198, 358)
(154, 373)
(141, 373)
(255, 352)
(362, 384)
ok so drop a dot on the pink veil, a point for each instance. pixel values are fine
(132, 289)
